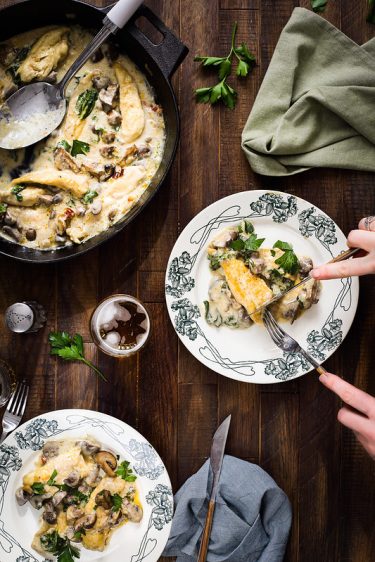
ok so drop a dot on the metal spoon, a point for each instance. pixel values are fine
(35, 110)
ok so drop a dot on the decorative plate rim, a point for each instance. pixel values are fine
(156, 487)
(182, 264)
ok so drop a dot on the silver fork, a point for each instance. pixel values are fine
(15, 409)
(285, 342)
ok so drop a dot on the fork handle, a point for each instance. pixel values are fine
(4, 435)
(321, 370)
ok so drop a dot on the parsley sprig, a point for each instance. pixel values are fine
(125, 472)
(288, 261)
(251, 244)
(62, 548)
(116, 502)
(319, 5)
(70, 348)
(222, 90)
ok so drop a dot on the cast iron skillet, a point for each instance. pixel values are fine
(157, 62)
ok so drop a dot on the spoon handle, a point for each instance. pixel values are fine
(114, 20)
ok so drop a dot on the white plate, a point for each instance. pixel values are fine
(133, 542)
(249, 354)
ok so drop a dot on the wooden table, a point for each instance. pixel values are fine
(289, 429)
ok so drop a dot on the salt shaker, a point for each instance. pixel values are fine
(25, 317)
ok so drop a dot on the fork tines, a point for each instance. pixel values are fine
(17, 403)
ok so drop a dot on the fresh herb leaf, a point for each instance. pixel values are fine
(273, 254)
(288, 261)
(89, 196)
(38, 488)
(237, 245)
(13, 68)
(253, 243)
(125, 472)
(68, 553)
(51, 542)
(65, 145)
(371, 11)
(16, 190)
(51, 480)
(71, 349)
(79, 147)
(116, 502)
(86, 102)
(3, 208)
(319, 5)
(223, 91)
(246, 226)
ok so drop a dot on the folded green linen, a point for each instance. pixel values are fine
(316, 105)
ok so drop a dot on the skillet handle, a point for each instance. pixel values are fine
(170, 53)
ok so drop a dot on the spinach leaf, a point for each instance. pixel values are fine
(86, 102)
(79, 147)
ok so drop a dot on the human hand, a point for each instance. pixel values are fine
(363, 238)
(359, 412)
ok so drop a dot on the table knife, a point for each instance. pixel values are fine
(216, 461)
(343, 256)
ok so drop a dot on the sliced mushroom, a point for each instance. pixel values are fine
(12, 233)
(73, 512)
(104, 499)
(22, 497)
(89, 449)
(109, 137)
(108, 151)
(223, 239)
(256, 265)
(49, 514)
(30, 234)
(9, 220)
(84, 489)
(60, 239)
(57, 198)
(58, 497)
(305, 265)
(107, 461)
(46, 200)
(114, 118)
(73, 479)
(100, 82)
(92, 477)
(108, 97)
(132, 511)
(64, 161)
(38, 500)
(130, 155)
(85, 522)
(50, 449)
(71, 534)
(96, 207)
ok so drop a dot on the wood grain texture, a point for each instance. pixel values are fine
(289, 429)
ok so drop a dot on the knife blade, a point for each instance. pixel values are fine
(341, 257)
(216, 461)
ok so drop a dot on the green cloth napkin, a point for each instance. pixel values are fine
(316, 105)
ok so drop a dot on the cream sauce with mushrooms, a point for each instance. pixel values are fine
(67, 198)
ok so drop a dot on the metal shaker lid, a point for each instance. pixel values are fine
(19, 317)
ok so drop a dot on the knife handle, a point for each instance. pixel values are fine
(206, 532)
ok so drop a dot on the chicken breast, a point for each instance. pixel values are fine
(133, 117)
(45, 55)
(248, 289)
(78, 185)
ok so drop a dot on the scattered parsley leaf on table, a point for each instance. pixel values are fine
(319, 5)
(71, 349)
(222, 91)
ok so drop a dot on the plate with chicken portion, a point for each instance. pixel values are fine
(77, 484)
(236, 255)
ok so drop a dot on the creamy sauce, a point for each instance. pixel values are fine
(114, 196)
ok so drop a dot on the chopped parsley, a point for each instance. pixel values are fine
(51, 481)
(116, 502)
(79, 147)
(86, 102)
(38, 488)
(3, 208)
(288, 261)
(16, 190)
(252, 243)
(62, 548)
(125, 472)
(65, 145)
(89, 196)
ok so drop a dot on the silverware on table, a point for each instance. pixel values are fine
(285, 342)
(15, 409)
(343, 256)
(216, 461)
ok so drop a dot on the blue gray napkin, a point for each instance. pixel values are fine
(251, 522)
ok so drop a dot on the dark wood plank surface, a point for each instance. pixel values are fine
(290, 429)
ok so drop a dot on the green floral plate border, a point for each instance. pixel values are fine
(140, 542)
(248, 355)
